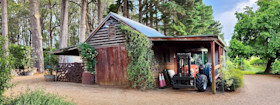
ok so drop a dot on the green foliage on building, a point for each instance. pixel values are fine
(140, 55)
(89, 54)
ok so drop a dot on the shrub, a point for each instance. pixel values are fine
(242, 64)
(276, 67)
(5, 69)
(257, 61)
(89, 54)
(50, 60)
(28, 61)
(233, 78)
(237, 62)
(18, 53)
(38, 97)
(140, 59)
(245, 65)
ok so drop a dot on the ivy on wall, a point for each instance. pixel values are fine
(140, 58)
(89, 54)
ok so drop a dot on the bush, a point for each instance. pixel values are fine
(5, 69)
(276, 67)
(245, 65)
(237, 62)
(28, 60)
(242, 64)
(50, 59)
(37, 97)
(18, 53)
(257, 61)
(233, 78)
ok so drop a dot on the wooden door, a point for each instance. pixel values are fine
(111, 66)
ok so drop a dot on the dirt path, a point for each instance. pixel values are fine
(257, 90)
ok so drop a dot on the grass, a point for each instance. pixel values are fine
(36, 97)
(254, 70)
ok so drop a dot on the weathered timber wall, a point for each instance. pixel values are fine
(101, 38)
(112, 65)
(112, 59)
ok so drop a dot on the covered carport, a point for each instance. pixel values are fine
(168, 46)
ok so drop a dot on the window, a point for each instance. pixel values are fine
(167, 56)
(111, 31)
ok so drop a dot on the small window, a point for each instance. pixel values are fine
(167, 56)
(111, 31)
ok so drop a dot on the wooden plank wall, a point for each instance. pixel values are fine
(160, 55)
(101, 39)
(112, 59)
(112, 65)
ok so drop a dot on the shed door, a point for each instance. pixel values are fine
(111, 66)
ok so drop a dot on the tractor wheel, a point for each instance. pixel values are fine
(207, 70)
(201, 82)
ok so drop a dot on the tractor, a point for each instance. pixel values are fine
(193, 71)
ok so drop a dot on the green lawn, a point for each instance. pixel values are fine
(254, 70)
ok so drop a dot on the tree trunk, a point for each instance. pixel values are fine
(268, 65)
(82, 25)
(50, 25)
(156, 21)
(36, 34)
(5, 26)
(164, 26)
(151, 15)
(99, 7)
(147, 17)
(125, 10)
(64, 29)
(140, 11)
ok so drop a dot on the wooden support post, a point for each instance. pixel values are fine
(213, 67)
(219, 54)
(222, 49)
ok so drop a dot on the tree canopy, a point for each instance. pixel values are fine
(174, 17)
(259, 30)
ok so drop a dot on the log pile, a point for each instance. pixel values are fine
(70, 72)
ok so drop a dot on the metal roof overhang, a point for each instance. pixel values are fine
(189, 38)
(73, 50)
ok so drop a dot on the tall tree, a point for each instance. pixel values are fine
(83, 21)
(260, 30)
(125, 9)
(36, 34)
(99, 12)
(64, 29)
(5, 26)
(50, 23)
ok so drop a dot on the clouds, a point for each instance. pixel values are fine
(228, 19)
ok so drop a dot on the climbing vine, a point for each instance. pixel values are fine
(140, 58)
(89, 54)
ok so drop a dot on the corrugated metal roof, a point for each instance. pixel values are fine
(148, 31)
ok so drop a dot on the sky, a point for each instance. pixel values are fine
(224, 12)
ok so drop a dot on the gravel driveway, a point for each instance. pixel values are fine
(257, 90)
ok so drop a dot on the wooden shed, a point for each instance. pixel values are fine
(112, 55)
